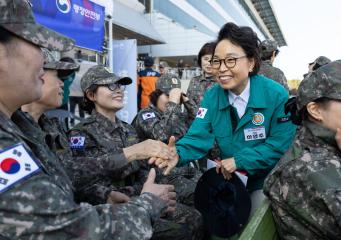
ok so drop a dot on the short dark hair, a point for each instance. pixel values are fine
(5, 36)
(300, 115)
(268, 57)
(87, 105)
(244, 37)
(154, 96)
(207, 48)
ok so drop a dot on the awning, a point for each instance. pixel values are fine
(130, 24)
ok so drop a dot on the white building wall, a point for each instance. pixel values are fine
(179, 40)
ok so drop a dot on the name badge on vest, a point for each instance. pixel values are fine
(256, 133)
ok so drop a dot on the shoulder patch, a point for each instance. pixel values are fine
(283, 119)
(148, 115)
(16, 164)
(77, 142)
(201, 113)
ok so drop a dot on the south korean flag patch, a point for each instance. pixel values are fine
(148, 115)
(16, 164)
(77, 142)
(201, 113)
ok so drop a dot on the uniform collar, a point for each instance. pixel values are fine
(207, 79)
(244, 95)
(267, 62)
(316, 134)
(104, 122)
(256, 97)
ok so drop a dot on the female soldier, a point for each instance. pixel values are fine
(36, 195)
(305, 186)
(244, 113)
(56, 138)
(104, 133)
(164, 117)
(200, 84)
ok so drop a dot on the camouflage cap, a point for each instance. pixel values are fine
(324, 82)
(321, 60)
(51, 63)
(267, 47)
(17, 17)
(167, 82)
(99, 75)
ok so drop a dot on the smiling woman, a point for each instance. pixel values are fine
(244, 114)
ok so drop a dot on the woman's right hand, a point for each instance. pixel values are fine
(169, 163)
(147, 149)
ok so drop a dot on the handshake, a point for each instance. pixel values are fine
(163, 156)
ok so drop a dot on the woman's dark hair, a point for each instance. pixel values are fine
(208, 48)
(154, 96)
(244, 37)
(269, 56)
(297, 116)
(5, 36)
(88, 105)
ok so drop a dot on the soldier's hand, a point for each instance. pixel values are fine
(117, 197)
(163, 191)
(172, 160)
(147, 149)
(184, 98)
(338, 138)
(175, 95)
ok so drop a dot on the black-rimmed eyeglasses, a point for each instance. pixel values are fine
(115, 86)
(230, 62)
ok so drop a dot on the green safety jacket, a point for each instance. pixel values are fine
(261, 136)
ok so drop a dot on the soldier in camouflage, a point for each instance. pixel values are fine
(36, 194)
(200, 84)
(305, 187)
(164, 117)
(197, 89)
(269, 51)
(319, 62)
(104, 133)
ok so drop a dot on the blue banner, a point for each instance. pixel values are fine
(125, 63)
(81, 20)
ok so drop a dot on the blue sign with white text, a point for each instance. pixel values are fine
(81, 20)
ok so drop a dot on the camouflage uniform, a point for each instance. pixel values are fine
(267, 47)
(101, 136)
(154, 124)
(305, 187)
(151, 123)
(40, 205)
(269, 71)
(197, 88)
